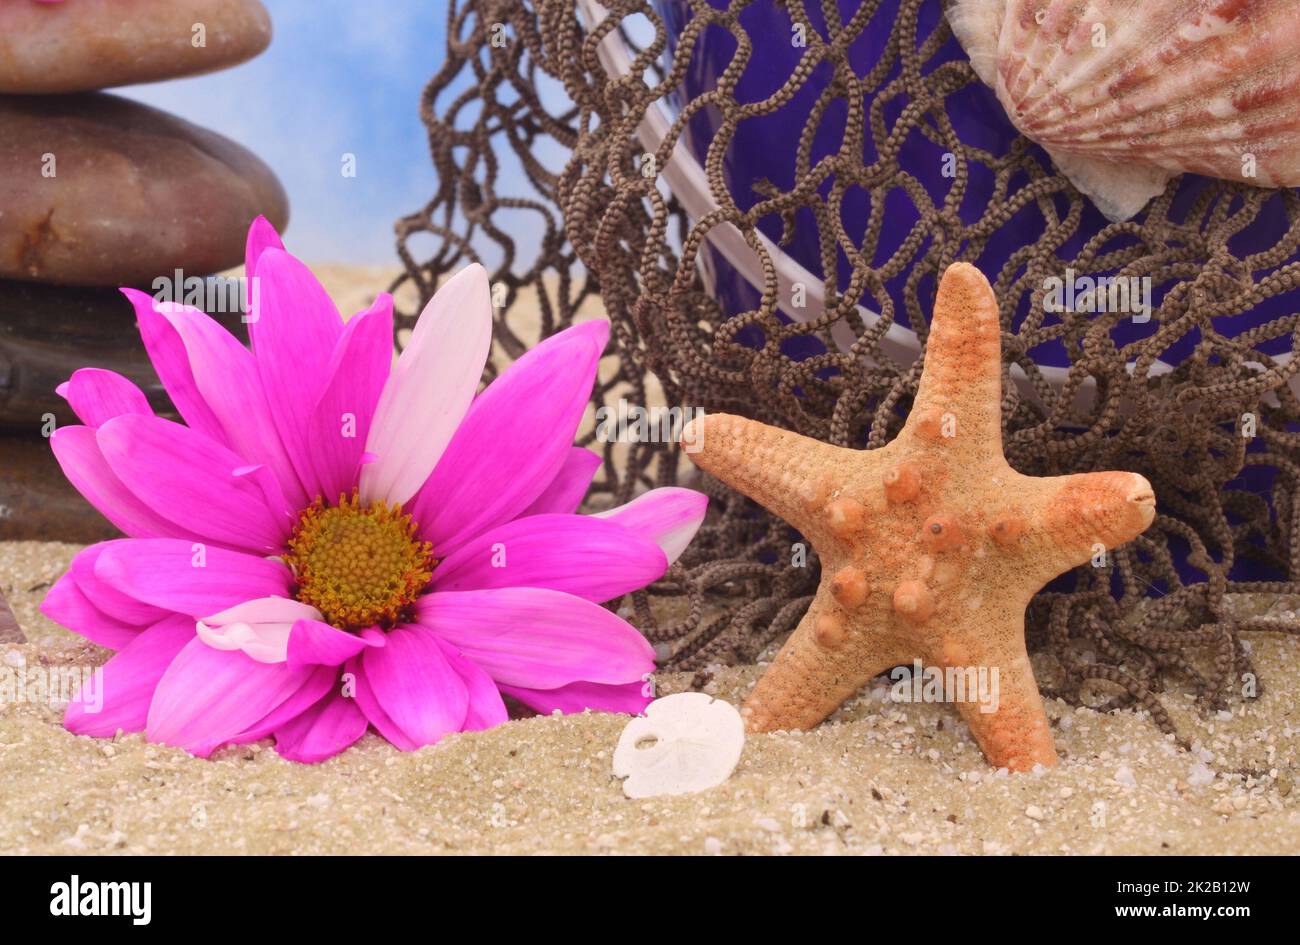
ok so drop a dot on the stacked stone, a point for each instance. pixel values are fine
(98, 192)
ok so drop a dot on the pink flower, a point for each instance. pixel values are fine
(445, 567)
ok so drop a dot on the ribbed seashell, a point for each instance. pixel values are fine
(1126, 94)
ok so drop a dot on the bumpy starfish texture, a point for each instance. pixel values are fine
(931, 546)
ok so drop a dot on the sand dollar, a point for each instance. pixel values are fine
(684, 743)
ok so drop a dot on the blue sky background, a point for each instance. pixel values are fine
(339, 77)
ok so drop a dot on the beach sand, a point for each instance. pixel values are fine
(878, 778)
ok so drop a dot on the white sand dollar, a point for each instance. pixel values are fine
(684, 743)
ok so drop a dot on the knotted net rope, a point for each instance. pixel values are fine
(522, 82)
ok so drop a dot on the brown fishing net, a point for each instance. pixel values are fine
(613, 235)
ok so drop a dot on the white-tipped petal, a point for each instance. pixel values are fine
(431, 387)
(260, 628)
(669, 516)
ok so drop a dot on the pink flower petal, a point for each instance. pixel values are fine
(486, 710)
(67, 605)
(669, 516)
(578, 554)
(118, 696)
(570, 485)
(261, 237)
(207, 696)
(537, 638)
(171, 362)
(105, 596)
(259, 628)
(225, 375)
(358, 686)
(514, 440)
(294, 331)
(324, 730)
(97, 396)
(630, 698)
(430, 389)
(268, 486)
(416, 686)
(79, 456)
(315, 642)
(191, 481)
(341, 419)
(321, 682)
(188, 578)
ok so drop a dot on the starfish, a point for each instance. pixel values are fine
(931, 546)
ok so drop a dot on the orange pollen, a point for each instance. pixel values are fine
(360, 566)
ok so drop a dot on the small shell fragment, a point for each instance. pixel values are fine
(684, 743)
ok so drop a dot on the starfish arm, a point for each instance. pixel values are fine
(826, 661)
(788, 474)
(1005, 713)
(1083, 515)
(960, 393)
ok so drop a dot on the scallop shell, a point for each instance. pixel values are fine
(1126, 94)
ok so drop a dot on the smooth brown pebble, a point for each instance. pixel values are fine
(83, 45)
(98, 190)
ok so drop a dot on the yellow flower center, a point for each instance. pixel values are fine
(360, 566)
